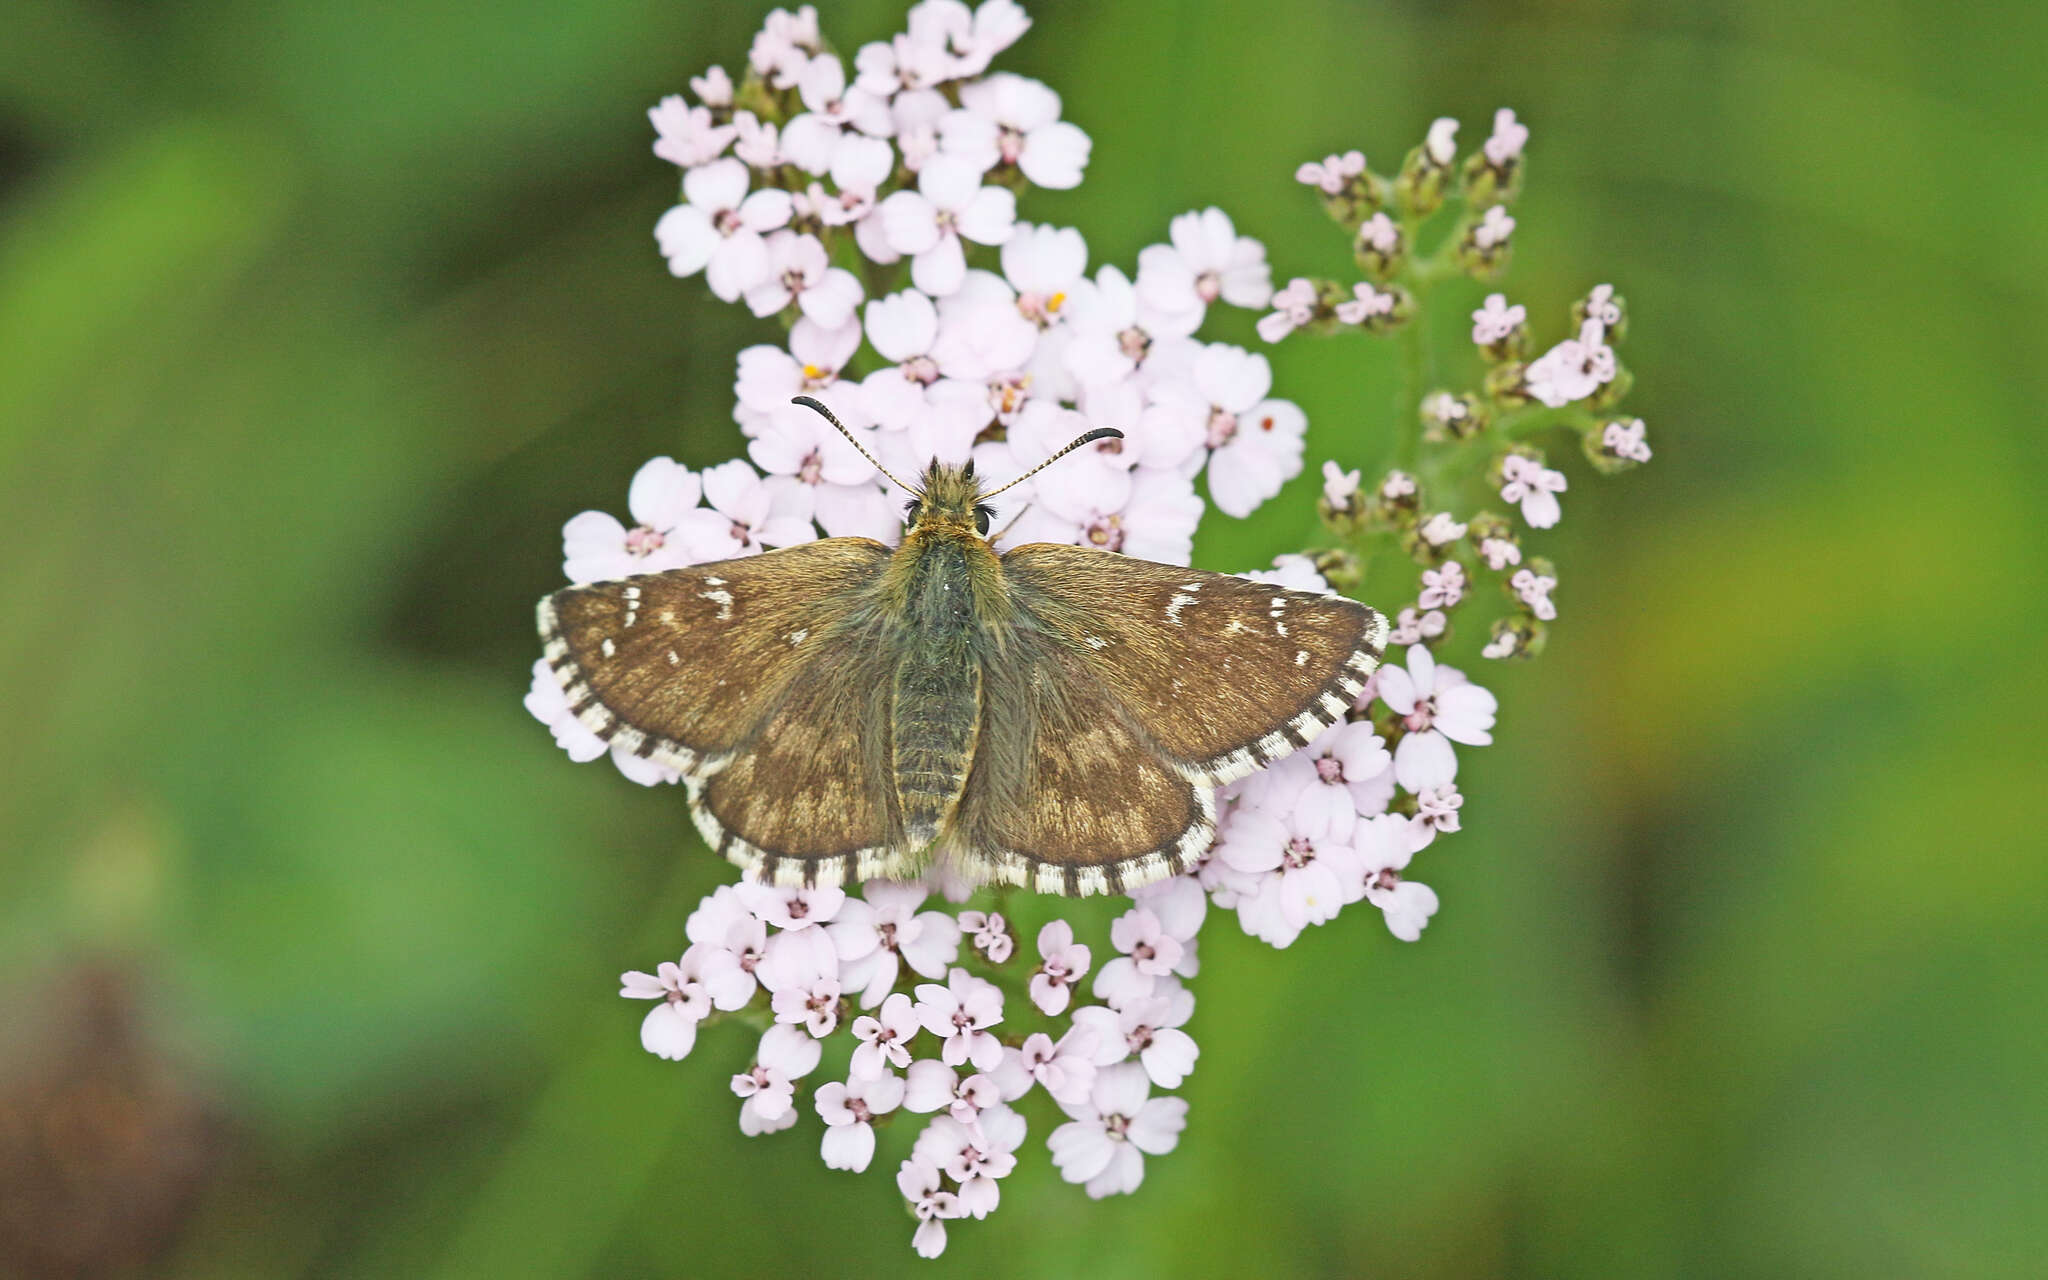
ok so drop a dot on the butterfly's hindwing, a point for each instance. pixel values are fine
(809, 797)
(681, 666)
(1223, 674)
(1066, 795)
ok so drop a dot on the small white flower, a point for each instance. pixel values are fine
(1436, 809)
(713, 88)
(1499, 553)
(882, 930)
(1573, 369)
(799, 271)
(1494, 228)
(959, 1014)
(1397, 485)
(687, 135)
(1105, 1143)
(1437, 706)
(921, 1185)
(1147, 1028)
(990, 934)
(759, 143)
(846, 1109)
(685, 990)
(1386, 844)
(1333, 174)
(1293, 307)
(1496, 321)
(597, 548)
(1008, 119)
(1366, 303)
(1442, 587)
(1507, 140)
(1149, 952)
(1339, 486)
(1534, 591)
(950, 203)
(1063, 963)
(1440, 530)
(785, 1056)
(974, 1156)
(1412, 627)
(1207, 260)
(884, 1037)
(1535, 487)
(1380, 234)
(1441, 146)
(1625, 440)
(718, 229)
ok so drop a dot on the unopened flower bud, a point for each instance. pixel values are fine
(1616, 444)
(1483, 245)
(1350, 192)
(1379, 246)
(1343, 508)
(1516, 637)
(1606, 306)
(1426, 171)
(1340, 568)
(1507, 384)
(1493, 174)
(1446, 416)
(1500, 331)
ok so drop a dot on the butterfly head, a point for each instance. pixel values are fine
(948, 501)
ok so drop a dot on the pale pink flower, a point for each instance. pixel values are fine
(1147, 1028)
(1412, 627)
(831, 107)
(1206, 260)
(798, 448)
(791, 906)
(1105, 1143)
(1507, 140)
(1339, 486)
(713, 88)
(1366, 303)
(860, 165)
(1533, 589)
(1380, 234)
(784, 44)
(597, 548)
(1534, 486)
(1065, 1068)
(1573, 369)
(1386, 844)
(996, 26)
(685, 993)
(1064, 961)
(1346, 763)
(1504, 645)
(813, 1003)
(1494, 228)
(1007, 119)
(879, 932)
(1499, 553)
(1254, 443)
(989, 933)
(950, 203)
(1149, 952)
(1294, 571)
(921, 1185)
(1624, 439)
(798, 271)
(743, 517)
(1293, 307)
(846, 1109)
(546, 703)
(1440, 530)
(884, 1037)
(1333, 174)
(959, 1014)
(974, 1156)
(1496, 321)
(1294, 878)
(931, 1085)
(1181, 907)
(801, 961)
(1397, 485)
(759, 144)
(718, 229)
(1044, 265)
(1442, 587)
(1436, 810)
(687, 135)
(1151, 516)
(1437, 706)
(785, 1056)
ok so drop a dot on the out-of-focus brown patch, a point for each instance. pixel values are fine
(104, 1144)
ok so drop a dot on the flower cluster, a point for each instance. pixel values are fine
(1409, 233)
(873, 210)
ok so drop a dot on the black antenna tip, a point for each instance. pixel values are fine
(809, 403)
(1100, 433)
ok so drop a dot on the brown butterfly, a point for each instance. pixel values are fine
(1052, 716)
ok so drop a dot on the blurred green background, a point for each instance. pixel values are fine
(316, 321)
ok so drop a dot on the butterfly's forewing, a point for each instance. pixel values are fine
(682, 666)
(1066, 794)
(1222, 674)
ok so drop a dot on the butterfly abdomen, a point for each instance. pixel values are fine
(935, 712)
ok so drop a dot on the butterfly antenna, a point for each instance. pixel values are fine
(809, 403)
(1100, 433)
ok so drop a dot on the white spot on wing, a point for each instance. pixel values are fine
(1174, 607)
(797, 636)
(1301, 658)
(1097, 642)
(721, 598)
(608, 648)
(672, 658)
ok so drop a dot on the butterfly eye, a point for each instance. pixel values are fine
(981, 519)
(912, 512)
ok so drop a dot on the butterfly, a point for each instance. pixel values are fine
(1052, 716)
